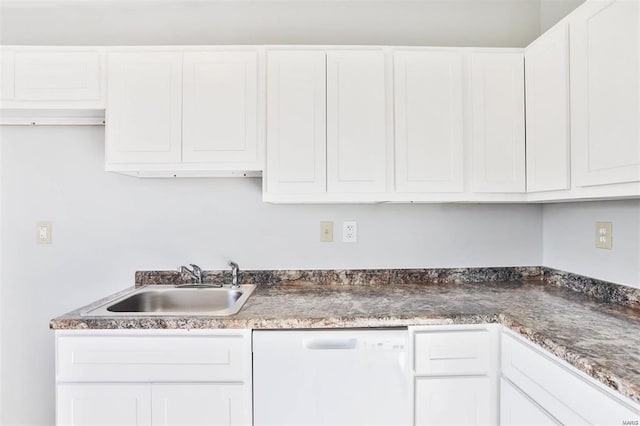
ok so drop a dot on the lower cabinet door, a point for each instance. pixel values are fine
(201, 404)
(516, 409)
(462, 401)
(104, 404)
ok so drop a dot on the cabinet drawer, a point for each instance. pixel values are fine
(559, 390)
(452, 352)
(136, 358)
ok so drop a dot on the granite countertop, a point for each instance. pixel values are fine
(599, 338)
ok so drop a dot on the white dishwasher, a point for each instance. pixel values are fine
(331, 378)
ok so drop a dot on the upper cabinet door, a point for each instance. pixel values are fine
(497, 132)
(220, 107)
(144, 107)
(57, 75)
(428, 121)
(605, 92)
(356, 121)
(547, 94)
(296, 122)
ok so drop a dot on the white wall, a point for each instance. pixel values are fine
(569, 240)
(106, 226)
(510, 23)
(552, 11)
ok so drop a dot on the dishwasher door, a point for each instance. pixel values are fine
(331, 377)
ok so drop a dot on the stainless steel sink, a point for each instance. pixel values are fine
(166, 300)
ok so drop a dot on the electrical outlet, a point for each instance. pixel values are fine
(43, 232)
(603, 235)
(326, 232)
(349, 232)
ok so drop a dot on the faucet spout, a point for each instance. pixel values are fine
(235, 270)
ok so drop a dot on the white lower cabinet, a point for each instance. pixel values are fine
(454, 374)
(517, 409)
(451, 376)
(103, 404)
(558, 393)
(200, 404)
(153, 405)
(154, 377)
(453, 401)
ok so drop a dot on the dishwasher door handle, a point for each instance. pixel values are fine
(329, 344)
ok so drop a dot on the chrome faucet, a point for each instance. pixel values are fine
(235, 270)
(195, 272)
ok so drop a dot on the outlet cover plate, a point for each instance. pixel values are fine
(603, 235)
(43, 232)
(349, 232)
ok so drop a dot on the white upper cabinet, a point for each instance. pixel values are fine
(7, 74)
(356, 122)
(497, 122)
(144, 107)
(547, 99)
(605, 92)
(296, 122)
(220, 107)
(51, 77)
(183, 113)
(428, 121)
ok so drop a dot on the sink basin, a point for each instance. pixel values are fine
(165, 300)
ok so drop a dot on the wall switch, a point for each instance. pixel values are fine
(43, 232)
(603, 235)
(326, 232)
(349, 232)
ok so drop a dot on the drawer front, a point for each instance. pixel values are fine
(464, 352)
(135, 358)
(563, 393)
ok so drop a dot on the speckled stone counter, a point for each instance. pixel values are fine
(599, 338)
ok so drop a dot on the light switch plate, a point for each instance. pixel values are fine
(43, 232)
(326, 232)
(603, 235)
